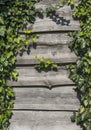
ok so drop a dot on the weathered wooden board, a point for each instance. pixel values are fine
(59, 98)
(51, 45)
(53, 38)
(50, 2)
(58, 54)
(36, 106)
(62, 12)
(48, 25)
(29, 76)
(60, 21)
(42, 120)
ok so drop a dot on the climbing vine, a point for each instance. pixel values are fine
(45, 64)
(80, 73)
(14, 15)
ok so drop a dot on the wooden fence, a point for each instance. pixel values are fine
(46, 100)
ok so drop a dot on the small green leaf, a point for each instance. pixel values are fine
(28, 31)
(1, 89)
(2, 31)
(86, 103)
(42, 59)
(48, 61)
(54, 65)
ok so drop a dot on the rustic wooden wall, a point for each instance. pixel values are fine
(46, 100)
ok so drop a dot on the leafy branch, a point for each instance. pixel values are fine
(45, 64)
(80, 73)
(14, 15)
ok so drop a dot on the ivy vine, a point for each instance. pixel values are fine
(45, 64)
(14, 15)
(80, 73)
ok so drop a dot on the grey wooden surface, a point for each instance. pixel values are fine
(61, 21)
(46, 24)
(42, 120)
(37, 98)
(29, 76)
(46, 100)
(54, 54)
(50, 45)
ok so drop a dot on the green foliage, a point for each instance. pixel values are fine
(71, 2)
(80, 73)
(45, 65)
(14, 15)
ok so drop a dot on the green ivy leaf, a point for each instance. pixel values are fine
(2, 30)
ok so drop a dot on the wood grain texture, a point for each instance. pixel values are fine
(29, 76)
(36, 98)
(51, 45)
(58, 58)
(36, 106)
(60, 21)
(53, 38)
(62, 11)
(42, 120)
(48, 25)
(50, 2)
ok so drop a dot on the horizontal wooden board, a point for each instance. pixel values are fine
(51, 39)
(50, 46)
(47, 2)
(60, 21)
(58, 53)
(60, 98)
(48, 25)
(42, 120)
(29, 76)
(57, 57)
(50, 2)
(61, 11)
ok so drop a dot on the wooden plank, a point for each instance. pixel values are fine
(29, 76)
(50, 46)
(60, 21)
(51, 39)
(54, 56)
(60, 98)
(42, 120)
(50, 2)
(57, 53)
(48, 25)
(62, 11)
